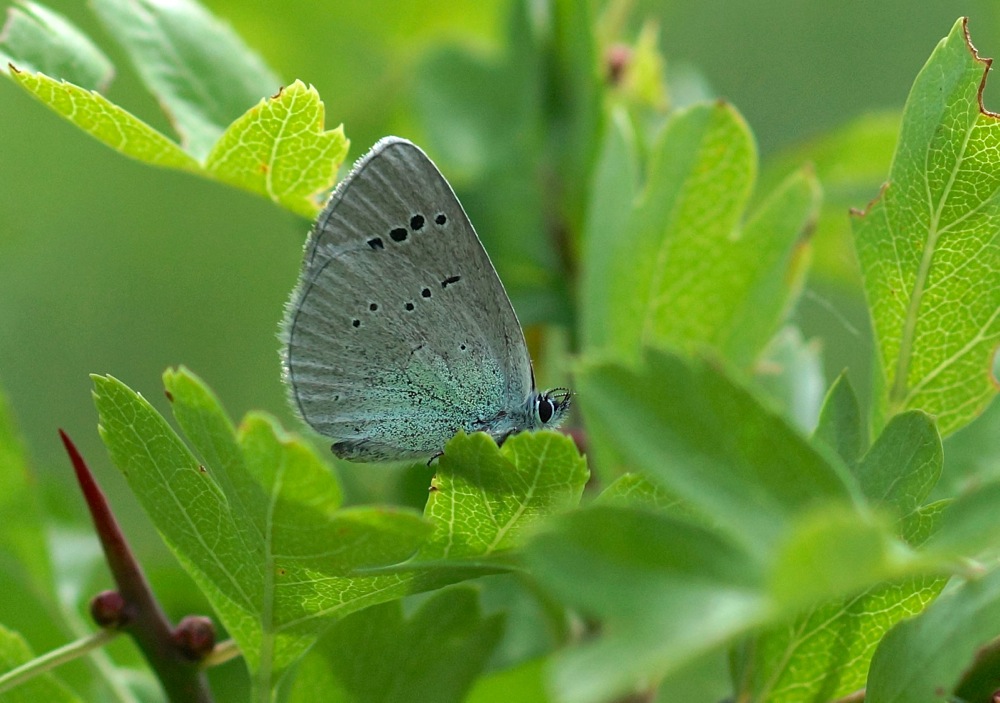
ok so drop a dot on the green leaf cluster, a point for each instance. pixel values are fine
(256, 517)
(210, 84)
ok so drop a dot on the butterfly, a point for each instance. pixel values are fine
(399, 332)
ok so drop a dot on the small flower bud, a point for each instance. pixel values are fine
(195, 637)
(616, 62)
(109, 609)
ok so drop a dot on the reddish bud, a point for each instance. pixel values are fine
(109, 609)
(194, 636)
(616, 61)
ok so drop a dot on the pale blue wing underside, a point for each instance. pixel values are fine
(399, 332)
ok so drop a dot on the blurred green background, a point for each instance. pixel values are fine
(109, 266)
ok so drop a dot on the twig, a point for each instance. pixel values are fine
(223, 652)
(50, 660)
(182, 679)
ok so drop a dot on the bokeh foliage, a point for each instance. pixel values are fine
(733, 510)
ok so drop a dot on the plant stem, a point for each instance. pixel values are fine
(223, 652)
(50, 660)
(182, 679)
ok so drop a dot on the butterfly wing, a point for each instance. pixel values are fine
(400, 333)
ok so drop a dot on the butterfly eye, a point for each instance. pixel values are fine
(545, 409)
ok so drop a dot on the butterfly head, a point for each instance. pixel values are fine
(551, 406)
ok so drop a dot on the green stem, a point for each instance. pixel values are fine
(221, 653)
(47, 662)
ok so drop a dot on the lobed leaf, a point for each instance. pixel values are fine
(257, 530)
(280, 150)
(697, 274)
(669, 592)
(927, 246)
(256, 516)
(851, 162)
(205, 77)
(483, 498)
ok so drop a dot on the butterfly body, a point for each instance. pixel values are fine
(399, 333)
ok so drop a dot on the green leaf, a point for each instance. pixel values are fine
(638, 491)
(379, 655)
(709, 442)
(790, 371)
(105, 121)
(696, 274)
(904, 464)
(667, 590)
(200, 71)
(207, 79)
(839, 426)
(614, 185)
(483, 498)
(824, 654)
(972, 455)
(14, 651)
(925, 246)
(969, 527)
(923, 659)
(833, 550)
(851, 163)
(256, 517)
(259, 530)
(279, 149)
(37, 40)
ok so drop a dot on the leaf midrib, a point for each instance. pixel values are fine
(899, 393)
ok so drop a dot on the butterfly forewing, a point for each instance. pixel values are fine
(400, 333)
